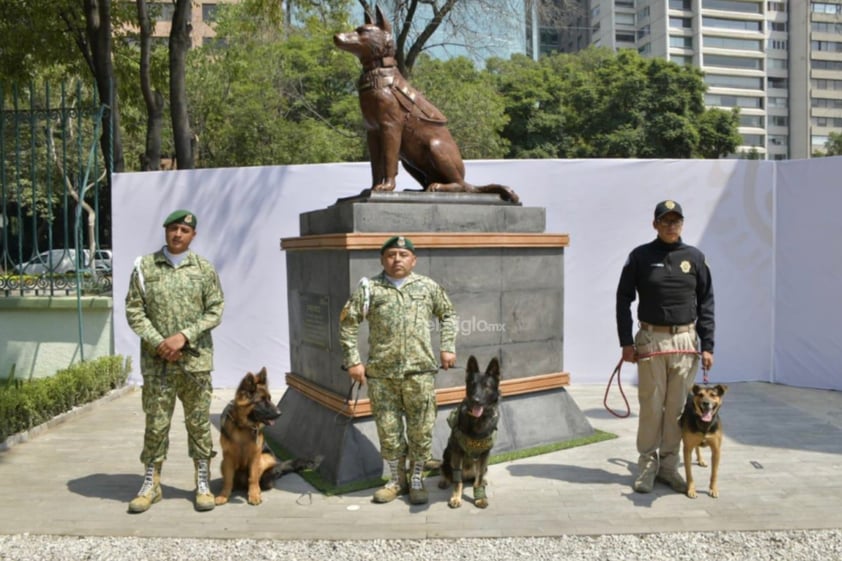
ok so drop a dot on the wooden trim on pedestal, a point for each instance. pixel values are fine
(424, 240)
(444, 396)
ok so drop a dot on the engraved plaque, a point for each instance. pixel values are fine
(315, 320)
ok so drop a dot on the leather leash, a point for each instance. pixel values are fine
(619, 367)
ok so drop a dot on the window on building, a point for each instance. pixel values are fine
(622, 37)
(753, 140)
(161, 11)
(739, 82)
(681, 23)
(825, 8)
(777, 140)
(645, 49)
(743, 6)
(685, 5)
(209, 12)
(732, 44)
(776, 6)
(819, 121)
(718, 100)
(643, 13)
(819, 140)
(643, 32)
(682, 60)
(624, 3)
(773, 101)
(736, 24)
(778, 63)
(777, 83)
(624, 19)
(726, 61)
(778, 26)
(754, 121)
(681, 42)
(827, 46)
(824, 84)
(777, 44)
(826, 27)
(779, 120)
(826, 103)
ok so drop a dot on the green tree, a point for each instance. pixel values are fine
(274, 94)
(475, 111)
(533, 105)
(833, 146)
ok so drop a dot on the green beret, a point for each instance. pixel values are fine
(397, 241)
(181, 217)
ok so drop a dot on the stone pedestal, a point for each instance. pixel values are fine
(505, 277)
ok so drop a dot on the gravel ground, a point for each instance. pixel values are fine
(719, 546)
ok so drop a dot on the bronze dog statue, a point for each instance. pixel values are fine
(400, 123)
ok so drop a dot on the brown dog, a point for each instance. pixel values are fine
(701, 426)
(247, 462)
(400, 123)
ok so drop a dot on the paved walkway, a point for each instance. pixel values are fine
(781, 469)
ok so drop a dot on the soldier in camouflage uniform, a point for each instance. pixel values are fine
(173, 303)
(401, 367)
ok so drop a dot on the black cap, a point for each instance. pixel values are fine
(665, 207)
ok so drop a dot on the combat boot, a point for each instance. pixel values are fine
(668, 473)
(396, 485)
(647, 469)
(417, 492)
(204, 497)
(150, 491)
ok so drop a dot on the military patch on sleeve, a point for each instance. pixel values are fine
(344, 313)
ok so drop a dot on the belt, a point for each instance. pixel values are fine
(668, 328)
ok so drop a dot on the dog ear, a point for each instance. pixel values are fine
(262, 375)
(248, 384)
(493, 368)
(382, 22)
(721, 389)
(368, 18)
(473, 366)
(695, 389)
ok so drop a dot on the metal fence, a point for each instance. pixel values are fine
(54, 235)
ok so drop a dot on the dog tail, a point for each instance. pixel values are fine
(295, 465)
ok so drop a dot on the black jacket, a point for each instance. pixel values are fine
(675, 288)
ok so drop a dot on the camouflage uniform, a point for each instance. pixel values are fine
(401, 365)
(168, 300)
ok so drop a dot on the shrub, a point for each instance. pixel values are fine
(27, 403)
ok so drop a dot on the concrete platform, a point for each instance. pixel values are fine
(781, 469)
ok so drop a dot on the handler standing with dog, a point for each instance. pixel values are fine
(174, 301)
(399, 306)
(676, 318)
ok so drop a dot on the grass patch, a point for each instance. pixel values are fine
(327, 488)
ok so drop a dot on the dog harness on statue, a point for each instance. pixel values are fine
(412, 101)
(473, 447)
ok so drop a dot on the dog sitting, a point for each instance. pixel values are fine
(473, 429)
(401, 124)
(247, 461)
(701, 426)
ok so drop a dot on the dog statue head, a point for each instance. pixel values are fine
(370, 42)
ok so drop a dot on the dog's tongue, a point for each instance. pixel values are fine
(476, 411)
(269, 422)
(708, 416)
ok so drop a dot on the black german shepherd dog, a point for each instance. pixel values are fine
(473, 428)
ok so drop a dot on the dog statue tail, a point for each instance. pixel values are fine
(506, 193)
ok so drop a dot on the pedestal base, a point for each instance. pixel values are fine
(352, 452)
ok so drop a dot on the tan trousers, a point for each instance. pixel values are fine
(663, 384)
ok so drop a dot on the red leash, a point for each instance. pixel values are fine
(620, 384)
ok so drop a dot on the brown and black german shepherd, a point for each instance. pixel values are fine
(401, 124)
(247, 462)
(473, 427)
(701, 426)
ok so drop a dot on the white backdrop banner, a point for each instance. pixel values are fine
(605, 206)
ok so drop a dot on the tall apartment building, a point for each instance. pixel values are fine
(779, 61)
